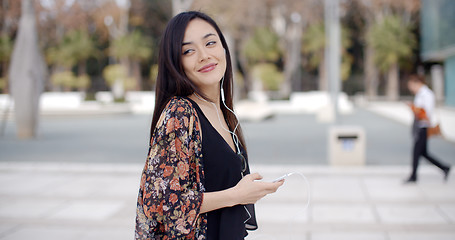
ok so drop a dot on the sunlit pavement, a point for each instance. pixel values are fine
(97, 201)
(79, 180)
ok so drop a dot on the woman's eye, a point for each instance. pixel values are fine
(187, 51)
(211, 43)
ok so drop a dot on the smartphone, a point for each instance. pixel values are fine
(282, 177)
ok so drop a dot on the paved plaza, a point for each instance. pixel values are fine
(97, 201)
(79, 180)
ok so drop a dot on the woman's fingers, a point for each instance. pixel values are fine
(255, 176)
(271, 187)
(250, 191)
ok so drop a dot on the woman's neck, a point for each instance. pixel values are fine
(212, 94)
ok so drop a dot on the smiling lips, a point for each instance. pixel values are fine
(207, 68)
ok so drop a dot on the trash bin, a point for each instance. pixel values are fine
(347, 145)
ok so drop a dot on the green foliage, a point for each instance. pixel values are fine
(134, 45)
(63, 79)
(115, 72)
(6, 48)
(345, 68)
(270, 76)
(313, 45)
(153, 73)
(392, 41)
(76, 46)
(68, 80)
(83, 81)
(3, 82)
(262, 47)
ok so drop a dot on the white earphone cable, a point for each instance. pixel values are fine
(234, 135)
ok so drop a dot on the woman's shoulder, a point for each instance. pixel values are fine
(180, 106)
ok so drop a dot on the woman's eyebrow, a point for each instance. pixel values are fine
(205, 36)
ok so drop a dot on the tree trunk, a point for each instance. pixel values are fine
(81, 71)
(27, 73)
(371, 74)
(293, 58)
(231, 43)
(392, 87)
(243, 62)
(136, 73)
(323, 84)
(5, 67)
(118, 88)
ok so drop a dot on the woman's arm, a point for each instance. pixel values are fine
(169, 195)
(247, 191)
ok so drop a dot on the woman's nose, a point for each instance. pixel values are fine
(203, 55)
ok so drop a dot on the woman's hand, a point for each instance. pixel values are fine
(248, 190)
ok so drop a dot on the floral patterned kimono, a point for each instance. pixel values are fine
(171, 189)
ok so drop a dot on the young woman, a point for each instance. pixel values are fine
(196, 182)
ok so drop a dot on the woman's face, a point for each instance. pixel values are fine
(203, 55)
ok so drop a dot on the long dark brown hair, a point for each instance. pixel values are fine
(172, 80)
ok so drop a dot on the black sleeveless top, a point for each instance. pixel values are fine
(223, 170)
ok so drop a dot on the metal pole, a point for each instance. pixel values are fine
(5, 115)
(332, 52)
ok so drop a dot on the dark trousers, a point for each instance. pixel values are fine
(420, 149)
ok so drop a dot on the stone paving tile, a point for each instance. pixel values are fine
(449, 211)
(276, 236)
(88, 210)
(109, 234)
(422, 236)
(274, 231)
(410, 214)
(29, 208)
(280, 212)
(435, 191)
(342, 213)
(28, 183)
(348, 236)
(94, 203)
(6, 227)
(341, 189)
(392, 190)
(77, 186)
(120, 186)
(45, 233)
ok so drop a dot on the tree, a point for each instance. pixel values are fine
(238, 20)
(27, 73)
(67, 80)
(132, 49)
(115, 73)
(74, 49)
(392, 41)
(6, 47)
(271, 77)
(373, 12)
(262, 48)
(10, 11)
(313, 45)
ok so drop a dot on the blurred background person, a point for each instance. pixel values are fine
(424, 119)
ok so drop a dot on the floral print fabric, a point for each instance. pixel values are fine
(171, 189)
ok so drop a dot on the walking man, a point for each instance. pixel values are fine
(423, 109)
